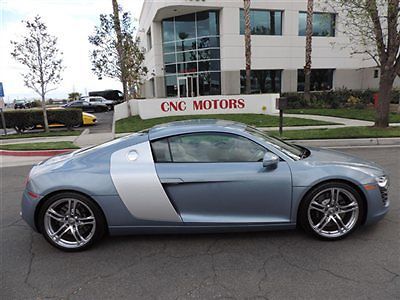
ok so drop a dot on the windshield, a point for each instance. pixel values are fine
(293, 151)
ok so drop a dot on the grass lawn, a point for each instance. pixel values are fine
(133, 124)
(40, 146)
(348, 113)
(41, 134)
(339, 133)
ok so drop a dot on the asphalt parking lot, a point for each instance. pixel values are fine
(263, 265)
(104, 122)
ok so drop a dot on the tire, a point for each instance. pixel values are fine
(331, 211)
(71, 222)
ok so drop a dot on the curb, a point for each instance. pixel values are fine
(35, 152)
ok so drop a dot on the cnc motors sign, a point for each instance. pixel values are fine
(203, 105)
(221, 104)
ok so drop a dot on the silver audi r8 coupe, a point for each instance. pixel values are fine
(200, 176)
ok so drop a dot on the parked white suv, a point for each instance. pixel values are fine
(99, 100)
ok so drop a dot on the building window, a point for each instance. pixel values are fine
(376, 73)
(262, 81)
(323, 24)
(191, 49)
(263, 22)
(149, 41)
(321, 80)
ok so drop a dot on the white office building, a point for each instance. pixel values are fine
(196, 48)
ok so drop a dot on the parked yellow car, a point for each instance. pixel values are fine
(87, 119)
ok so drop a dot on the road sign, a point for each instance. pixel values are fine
(3, 120)
(1, 90)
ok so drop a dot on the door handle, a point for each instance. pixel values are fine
(171, 181)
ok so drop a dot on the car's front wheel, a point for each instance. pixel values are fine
(71, 221)
(331, 211)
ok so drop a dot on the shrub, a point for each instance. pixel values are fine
(21, 120)
(336, 99)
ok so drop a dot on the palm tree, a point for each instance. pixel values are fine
(247, 42)
(309, 34)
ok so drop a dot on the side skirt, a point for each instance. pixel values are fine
(126, 230)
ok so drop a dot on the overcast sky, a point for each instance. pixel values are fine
(72, 21)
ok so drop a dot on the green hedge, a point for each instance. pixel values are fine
(21, 120)
(336, 99)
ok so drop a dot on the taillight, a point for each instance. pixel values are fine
(33, 195)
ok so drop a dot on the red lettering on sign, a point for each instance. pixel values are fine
(173, 106)
(224, 104)
(197, 105)
(164, 106)
(207, 104)
(182, 106)
(215, 102)
(241, 103)
(232, 103)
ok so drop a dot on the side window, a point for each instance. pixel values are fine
(212, 147)
(161, 151)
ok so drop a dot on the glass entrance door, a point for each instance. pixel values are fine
(188, 86)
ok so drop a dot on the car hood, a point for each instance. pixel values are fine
(320, 156)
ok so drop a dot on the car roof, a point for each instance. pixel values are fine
(197, 125)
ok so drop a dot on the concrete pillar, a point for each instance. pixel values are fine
(230, 82)
(159, 86)
(289, 81)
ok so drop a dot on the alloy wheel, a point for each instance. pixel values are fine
(69, 223)
(333, 212)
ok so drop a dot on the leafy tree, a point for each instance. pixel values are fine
(373, 30)
(74, 96)
(247, 42)
(39, 53)
(309, 34)
(116, 53)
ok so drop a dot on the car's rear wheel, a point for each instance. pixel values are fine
(331, 211)
(71, 221)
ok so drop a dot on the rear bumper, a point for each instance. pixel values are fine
(28, 209)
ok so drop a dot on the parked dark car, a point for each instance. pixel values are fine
(22, 104)
(86, 106)
(113, 95)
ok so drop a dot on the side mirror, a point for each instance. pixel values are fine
(270, 160)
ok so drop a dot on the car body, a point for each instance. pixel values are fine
(99, 100)
(22, 104)
(202, 176)
(86, 106)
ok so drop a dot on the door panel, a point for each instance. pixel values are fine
(228, 192)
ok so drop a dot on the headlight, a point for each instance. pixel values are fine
(382, 181)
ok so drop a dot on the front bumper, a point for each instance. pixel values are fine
(378, 204)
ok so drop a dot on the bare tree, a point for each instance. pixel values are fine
(111, 60)
(309, 34)
(39, 53)
(247, 41)
(120, 47)
(373, 30)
